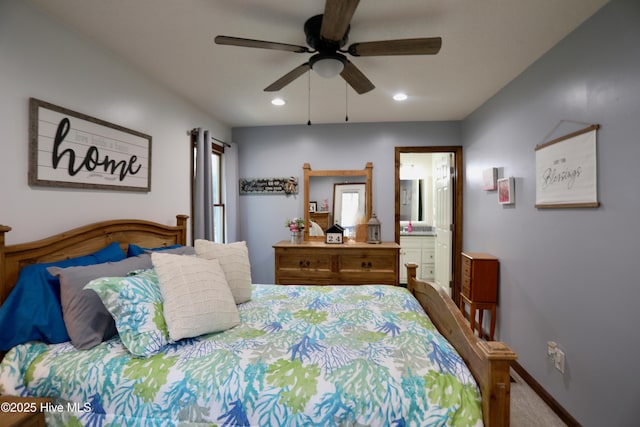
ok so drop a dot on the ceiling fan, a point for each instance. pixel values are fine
(326, 34)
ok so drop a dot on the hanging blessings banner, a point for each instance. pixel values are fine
(566, 171)
(70, 149)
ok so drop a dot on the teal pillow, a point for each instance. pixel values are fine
(134, 250)
(136, 305)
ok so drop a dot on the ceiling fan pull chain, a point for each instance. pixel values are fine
(346, 102)
(309, 100)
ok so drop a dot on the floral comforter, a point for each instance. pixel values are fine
(302, 356)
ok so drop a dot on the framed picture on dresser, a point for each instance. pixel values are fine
(313, 206)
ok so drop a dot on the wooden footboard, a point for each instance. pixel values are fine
(489, 362)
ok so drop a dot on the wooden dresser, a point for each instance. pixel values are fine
(479, 288)
(352, 263)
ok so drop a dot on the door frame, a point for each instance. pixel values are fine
(456, 180)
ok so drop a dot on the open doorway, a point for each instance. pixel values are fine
(428, 213)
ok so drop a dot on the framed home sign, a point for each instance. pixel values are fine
(71, 149)
(566, 172)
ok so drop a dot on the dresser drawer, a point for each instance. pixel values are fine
(429, 256)
(428, 272)
(466, 286)
(466, 266)
(302, 261)
(373, 268)
(364, 263)
(466, 277)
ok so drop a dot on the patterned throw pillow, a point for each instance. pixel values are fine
(136, 304)
(234, 260)
(197, 298)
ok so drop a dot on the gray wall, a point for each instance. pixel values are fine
(568, 275)
(282, 150)
(43, 59)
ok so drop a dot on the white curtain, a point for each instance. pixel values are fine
(203, 197)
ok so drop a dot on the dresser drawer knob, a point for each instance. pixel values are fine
(305, 263)
(366, 264)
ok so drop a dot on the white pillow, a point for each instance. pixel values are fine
(234, 260)
(197, 298)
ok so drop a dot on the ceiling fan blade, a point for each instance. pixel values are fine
(420, 46)
(336, 18)
(261, 44)
(287, 78)
(358, 81)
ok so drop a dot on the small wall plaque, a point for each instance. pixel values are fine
(506, 191)
(279, 185)
(490, 179)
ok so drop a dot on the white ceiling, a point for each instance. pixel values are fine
(485, 45)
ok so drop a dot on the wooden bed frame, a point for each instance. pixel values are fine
(489, 362)
(82, 241)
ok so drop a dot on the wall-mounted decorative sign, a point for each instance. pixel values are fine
(70, 149)
(566, 175)
(286, 185)
(506, 191)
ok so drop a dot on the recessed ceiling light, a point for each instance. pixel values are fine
(278, 101)
(400, 96)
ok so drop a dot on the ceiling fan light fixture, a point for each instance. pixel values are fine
(400, 96)
(327, 66)
(278, 102)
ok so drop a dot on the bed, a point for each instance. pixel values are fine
(301, 355)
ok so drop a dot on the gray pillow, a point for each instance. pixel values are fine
(182, 250)
(86, 318)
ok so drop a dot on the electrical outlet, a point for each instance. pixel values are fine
(559, 360)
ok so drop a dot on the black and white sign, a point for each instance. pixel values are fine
(275, 185)
(70, 149)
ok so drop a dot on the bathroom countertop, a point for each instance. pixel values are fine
(417, 233)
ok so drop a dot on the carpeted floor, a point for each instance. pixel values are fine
(527, 409)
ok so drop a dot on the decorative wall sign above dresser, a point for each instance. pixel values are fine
(71, 149)
(279, 185)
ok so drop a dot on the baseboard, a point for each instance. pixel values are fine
(562, 413)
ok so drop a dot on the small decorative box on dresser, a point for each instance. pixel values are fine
(22, 411)
(479, 288)
(353, 263)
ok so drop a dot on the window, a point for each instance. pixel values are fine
(217, 195)
(218, 205)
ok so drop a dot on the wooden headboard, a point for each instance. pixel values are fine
(84, 240)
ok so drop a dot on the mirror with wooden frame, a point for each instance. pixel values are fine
(321, 187)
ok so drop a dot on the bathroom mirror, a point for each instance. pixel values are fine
(413, 200)
(319, 186)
